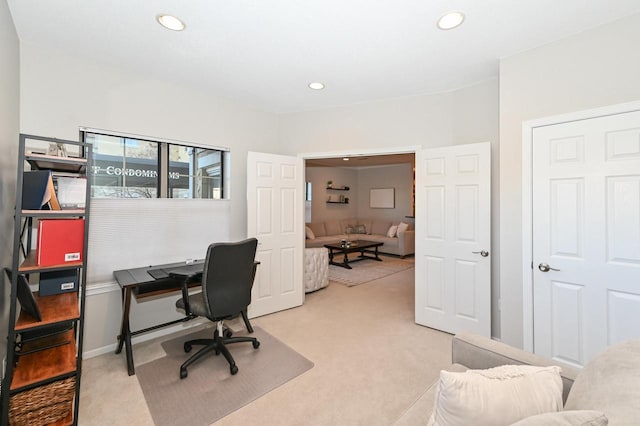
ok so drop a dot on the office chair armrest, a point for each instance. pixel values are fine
(185, 297)
(186, 280)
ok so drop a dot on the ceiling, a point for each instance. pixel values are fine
(265, 53)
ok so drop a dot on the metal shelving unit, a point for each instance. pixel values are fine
(45, 356)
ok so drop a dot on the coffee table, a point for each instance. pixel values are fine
(362, 246)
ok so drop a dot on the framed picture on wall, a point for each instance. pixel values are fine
(382, 198)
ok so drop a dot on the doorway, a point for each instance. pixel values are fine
(462, 302)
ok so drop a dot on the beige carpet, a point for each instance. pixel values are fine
(368, 270)
(210, 392)
(371, 363)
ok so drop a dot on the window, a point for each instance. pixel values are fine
(194, 172)
(123, 167)
(128, 167)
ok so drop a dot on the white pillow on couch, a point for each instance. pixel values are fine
(392, 231)
(496, 396)
(309, 233)
(402, 227)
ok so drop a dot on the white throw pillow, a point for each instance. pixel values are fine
(496, 396)
(402, 227)
(392, 231)
(309, 233)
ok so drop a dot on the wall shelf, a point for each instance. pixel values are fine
(337, 202)
(340, 188)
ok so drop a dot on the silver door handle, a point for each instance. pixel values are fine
(482, 253)
(546, 268)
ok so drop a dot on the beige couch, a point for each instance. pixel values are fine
(609, 383)
(332, 231)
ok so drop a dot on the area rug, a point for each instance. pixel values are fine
(210, 392)
(367, 270)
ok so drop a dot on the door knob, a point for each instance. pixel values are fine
(546, 268)
(482, 253)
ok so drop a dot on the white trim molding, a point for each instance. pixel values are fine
(362, 152)
(101, 288)
(528, 128)
(152, 138)
(148, 336)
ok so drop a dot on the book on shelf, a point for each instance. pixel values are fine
(60, 241)
(38, 191)
(72, 192)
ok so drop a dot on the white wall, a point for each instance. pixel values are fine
(399, 177)
(360, 181)
(592, 69)
(9, 130)
(463, 116)
(60, 93)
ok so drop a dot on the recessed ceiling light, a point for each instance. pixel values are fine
(170, 22)
(316, 86)
(345, 159)
(450, 20)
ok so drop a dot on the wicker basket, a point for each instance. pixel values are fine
(43, 405)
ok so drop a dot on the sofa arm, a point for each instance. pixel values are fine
(407, 242)
(479, 352)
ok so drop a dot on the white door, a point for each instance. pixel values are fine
(275, 200)
(453, 238)
(586, 236)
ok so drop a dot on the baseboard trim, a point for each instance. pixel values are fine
(146, 337)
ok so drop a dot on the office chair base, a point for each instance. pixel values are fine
(217, 345)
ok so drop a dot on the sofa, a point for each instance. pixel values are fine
(402, 243)
(608, 385)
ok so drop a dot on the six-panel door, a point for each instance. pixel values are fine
(586, 226)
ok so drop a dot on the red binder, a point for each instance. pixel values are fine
(60, 241)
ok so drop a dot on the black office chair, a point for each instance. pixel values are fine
(227, 279)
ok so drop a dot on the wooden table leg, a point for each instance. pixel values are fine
(345, 261)
(125, 332)
(122, 324)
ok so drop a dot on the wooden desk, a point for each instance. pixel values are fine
(140, 283)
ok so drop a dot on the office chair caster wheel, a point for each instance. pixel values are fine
(256, 344)
(233, 369)
(187, 349)
(228, 333)
(183, 373)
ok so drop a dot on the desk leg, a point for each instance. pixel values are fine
(125, 332)
(122, 325)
